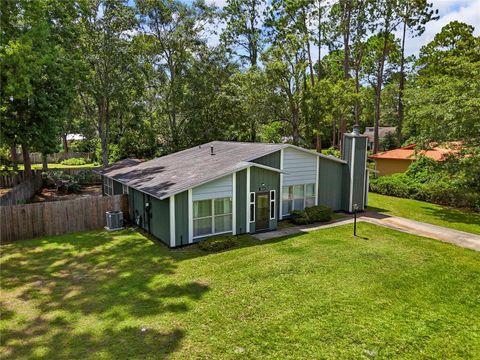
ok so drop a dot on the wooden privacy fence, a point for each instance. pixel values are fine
(23, 191)
(14, 178)
(18, 222)
(36, 158)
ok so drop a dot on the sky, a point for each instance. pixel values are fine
(467, 11)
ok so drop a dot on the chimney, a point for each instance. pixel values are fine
(356, 130)
(211, 150)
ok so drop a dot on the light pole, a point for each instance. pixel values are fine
(355, 209)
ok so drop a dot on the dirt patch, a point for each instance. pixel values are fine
(48, 194)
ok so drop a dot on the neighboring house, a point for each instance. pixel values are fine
(382, 133)
(398, 160)
(231, 187)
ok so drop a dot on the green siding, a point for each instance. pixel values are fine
(272, 160)
(241, 200)
(359, 172)
(271, 179)
(330, 183)
(181, 218)
(160, 220)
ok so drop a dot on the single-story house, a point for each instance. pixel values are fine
(398, 160)
(383, 131)
(233, 187)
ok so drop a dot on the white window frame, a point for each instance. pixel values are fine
(250, 203)
(293, 195)
(272, 204)
(124, 189)
(213, 216)
(107, 186)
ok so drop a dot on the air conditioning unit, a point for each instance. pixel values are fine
(114, 220)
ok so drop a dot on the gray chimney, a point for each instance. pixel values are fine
(356, 130)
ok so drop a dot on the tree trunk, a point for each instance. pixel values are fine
(319, 72)
(346, 63)
(26, 161)
(318, 144)
(357, 91)
(44, 162)
(378, 93)
(401, 86)
(65, 143)
(334, 132)
(295, 125)
(13, 154)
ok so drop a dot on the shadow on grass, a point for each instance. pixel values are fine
(115, 277)
(453, 215)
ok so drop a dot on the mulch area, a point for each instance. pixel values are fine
(48, 194)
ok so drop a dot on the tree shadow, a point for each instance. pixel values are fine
(114, 277)
(453, 215)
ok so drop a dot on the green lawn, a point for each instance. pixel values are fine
(426, 212)
(323, 294)
(61, 166)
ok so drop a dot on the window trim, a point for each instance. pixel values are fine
(252, 213)
(293, 196)
(272, 204)
(212, 217)
(125, 189)
(107, 186)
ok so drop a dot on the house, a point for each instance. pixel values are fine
(232, 187)
(398, 160)
(382, 133)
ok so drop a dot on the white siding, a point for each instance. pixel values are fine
(300, 167)
(214, 189)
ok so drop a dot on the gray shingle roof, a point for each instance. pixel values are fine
(171, 174)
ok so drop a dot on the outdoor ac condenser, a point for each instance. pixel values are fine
(114, 220)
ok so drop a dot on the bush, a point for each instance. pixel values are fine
(319, 213)
(425, 181)
(299, 217)
(75, 161)
(218, 243)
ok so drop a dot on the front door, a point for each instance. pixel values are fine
(262, 210)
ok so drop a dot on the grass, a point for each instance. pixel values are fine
(423, 211)
(323, 294)
(60, 166)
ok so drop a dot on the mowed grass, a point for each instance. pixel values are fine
(457, 219)
(325, 294)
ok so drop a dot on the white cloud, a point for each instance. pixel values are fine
(467, 11)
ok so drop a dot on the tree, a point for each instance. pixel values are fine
(37, 74)
(243, 34)
(381, 59)
(444, 102)
(108, 63)
(414, 14)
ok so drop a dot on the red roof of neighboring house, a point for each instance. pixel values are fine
(437, 153)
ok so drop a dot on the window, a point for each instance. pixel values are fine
(124, 189)
(272, 204)
(252, 207)
(107, 186)
(297, 197)
(213, 216)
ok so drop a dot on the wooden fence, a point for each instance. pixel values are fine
(14, 178)
(36, 158)
(18, 222)
(22, 192)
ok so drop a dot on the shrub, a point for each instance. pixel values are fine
(75, 161)
(218, 243)
(318, 213)
(299, 217)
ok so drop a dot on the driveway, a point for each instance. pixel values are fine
(456, 237)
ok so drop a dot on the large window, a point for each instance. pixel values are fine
(297, 197)
(107, 186)
(213, 216)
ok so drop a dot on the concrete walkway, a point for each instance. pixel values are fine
(456, 237)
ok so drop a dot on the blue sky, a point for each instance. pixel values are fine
(467, 11)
